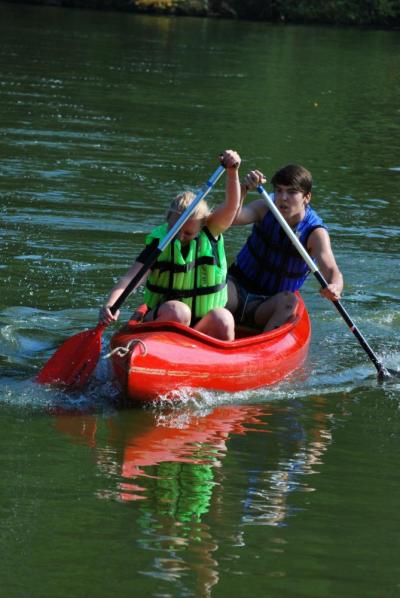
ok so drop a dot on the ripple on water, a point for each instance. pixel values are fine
(336, 364)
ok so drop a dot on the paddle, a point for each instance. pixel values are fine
(73, 363)
(383, 372)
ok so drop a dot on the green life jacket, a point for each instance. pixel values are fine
(199, 279)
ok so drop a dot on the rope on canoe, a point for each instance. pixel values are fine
(125, 349)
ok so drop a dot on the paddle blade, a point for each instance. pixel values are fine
(73, 363)
(387, 374)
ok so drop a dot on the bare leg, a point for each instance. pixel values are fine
(218, 323)
(233, 299)
(171, 311)
(276, 311)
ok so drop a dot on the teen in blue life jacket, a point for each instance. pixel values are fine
(268, 269)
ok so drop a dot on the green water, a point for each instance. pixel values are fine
(286, 491)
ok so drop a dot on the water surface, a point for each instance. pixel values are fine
(290, 490)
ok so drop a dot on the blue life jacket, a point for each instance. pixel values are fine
(268, 262)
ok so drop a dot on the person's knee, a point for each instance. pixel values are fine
(175, 311)
(286, 305)
(289, 302)
(223, 324)
(284, 308)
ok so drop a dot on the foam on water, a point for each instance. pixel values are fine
(30, 336)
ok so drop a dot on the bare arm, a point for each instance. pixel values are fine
(255, 210)
(319, 247)
(223, 216)
(105, 316)
(252, 212)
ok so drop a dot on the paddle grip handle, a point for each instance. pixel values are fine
(236, 164)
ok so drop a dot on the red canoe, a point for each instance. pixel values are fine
(155, 359)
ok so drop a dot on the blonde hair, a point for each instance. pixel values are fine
(179, 204)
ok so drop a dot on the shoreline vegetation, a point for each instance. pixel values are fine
(362, 13)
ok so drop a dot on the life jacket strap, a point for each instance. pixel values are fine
(184, 293)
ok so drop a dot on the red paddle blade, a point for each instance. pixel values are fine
(73, 363)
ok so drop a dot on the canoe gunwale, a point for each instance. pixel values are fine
(239, 343)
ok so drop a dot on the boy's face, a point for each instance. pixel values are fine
(189, 230)
(291, 203)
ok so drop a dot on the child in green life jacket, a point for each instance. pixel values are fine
(187, 284)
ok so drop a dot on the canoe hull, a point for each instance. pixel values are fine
(157, 359)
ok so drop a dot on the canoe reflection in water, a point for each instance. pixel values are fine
(198, 478)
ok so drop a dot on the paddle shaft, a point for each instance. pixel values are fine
(152, 258)
(382, 371)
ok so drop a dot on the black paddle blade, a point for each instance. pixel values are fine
(387, 375)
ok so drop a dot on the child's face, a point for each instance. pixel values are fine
(189, 230)
(291, 203)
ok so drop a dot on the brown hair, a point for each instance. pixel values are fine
(294, 176)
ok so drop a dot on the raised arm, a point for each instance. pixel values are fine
(255, 210)
(319, 247)
(222, 217)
